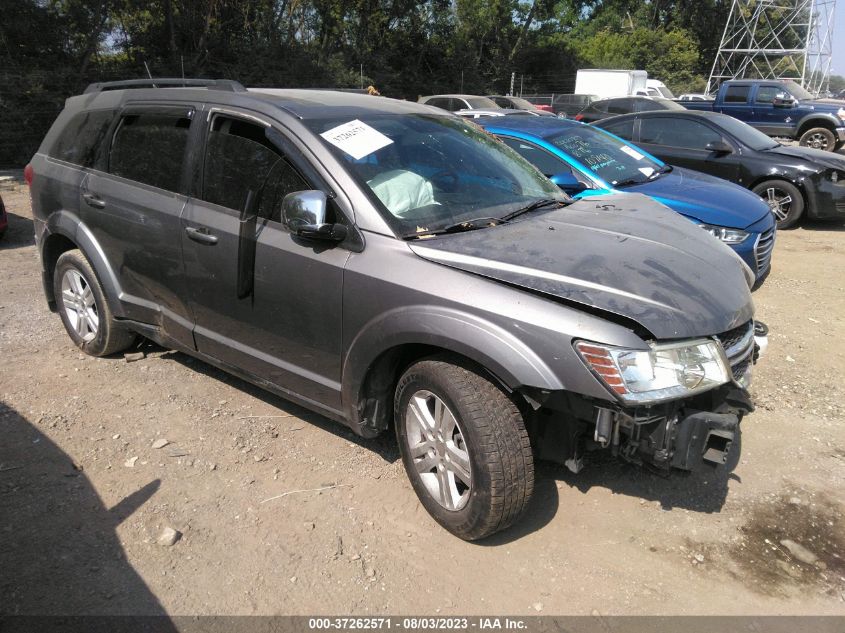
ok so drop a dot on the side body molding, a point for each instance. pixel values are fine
(512, 362)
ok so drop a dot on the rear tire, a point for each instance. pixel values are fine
(464, 447)
(83, 307)
(818, 138)
(784, 200)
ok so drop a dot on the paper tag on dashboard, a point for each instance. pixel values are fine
(632, 152)
(356, 138)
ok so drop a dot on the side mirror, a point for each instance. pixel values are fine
(719, 147)
(569, 183)
(783, 101)
(304, 213)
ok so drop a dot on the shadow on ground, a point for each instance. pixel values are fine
(19, 233)
(60, 554)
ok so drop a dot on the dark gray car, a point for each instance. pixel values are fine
(391, 266)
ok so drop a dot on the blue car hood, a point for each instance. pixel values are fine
(705, 198)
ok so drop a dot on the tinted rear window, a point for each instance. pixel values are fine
(737, 94)
(82, 137)
(150, 148)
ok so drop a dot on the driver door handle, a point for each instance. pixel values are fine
(200, 235)
(93, 201)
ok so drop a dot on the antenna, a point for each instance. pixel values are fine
(777, 39)
(148, 69)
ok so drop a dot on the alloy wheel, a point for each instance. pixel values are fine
(817, 141)
(780, 203)
(79, 305)
(437, 448)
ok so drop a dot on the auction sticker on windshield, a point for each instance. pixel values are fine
(632, 152)
(356, 138)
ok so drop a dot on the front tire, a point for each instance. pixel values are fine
(464, 447)
(818, 138)
(83, 307)
(784, 200)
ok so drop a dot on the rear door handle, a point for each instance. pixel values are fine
(200, 235)
(93, 201)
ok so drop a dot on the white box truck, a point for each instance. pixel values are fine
(610, 83)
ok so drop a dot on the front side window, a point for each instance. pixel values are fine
(150, 148)
(767, 94)
(674, 132)
(619, 106)
(607, 157)
(82, 137)
(240, 159)
(427, 172)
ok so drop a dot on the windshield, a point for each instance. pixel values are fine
(611, 159)
(481, 102)
(522, 104)
(745, 134)
(796, 90)
(666, 104)
(429, 172)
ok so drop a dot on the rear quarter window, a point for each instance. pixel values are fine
(81, 139)
(150, 148)
(737, 94)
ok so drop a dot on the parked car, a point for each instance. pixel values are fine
(655, 88)
(691, 96)
(367, 259)
(517, 103)
(587, 161)
(498, 112)
(570, 105)
(4, 219)
(453, 103)
(604, 108)
(793, 180)
(781, 108)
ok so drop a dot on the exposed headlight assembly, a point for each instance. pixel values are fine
(841, 113)
(728, 236)
(665, 372)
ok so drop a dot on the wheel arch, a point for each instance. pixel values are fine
(815, 120)
(386, 347)
(797, 182)
(65, 231)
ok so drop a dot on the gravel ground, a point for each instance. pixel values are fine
(103, 459)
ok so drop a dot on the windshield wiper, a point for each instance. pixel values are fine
(537, 204)
(459, 227)
(663, 170)
(629, 181)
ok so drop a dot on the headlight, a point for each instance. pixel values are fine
(835, 177)
(841, 113)
(664, 372)
(728, 236)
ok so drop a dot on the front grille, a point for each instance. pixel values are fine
(733, 340)
(738, 344)
(763, 250)
(740, 368)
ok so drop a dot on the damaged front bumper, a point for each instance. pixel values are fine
(700, 431)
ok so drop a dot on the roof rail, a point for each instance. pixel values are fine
(211, 84)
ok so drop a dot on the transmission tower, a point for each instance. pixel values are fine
(777, 39)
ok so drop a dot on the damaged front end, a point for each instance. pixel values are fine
(650, 424)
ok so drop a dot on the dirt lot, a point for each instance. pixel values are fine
(84, 495)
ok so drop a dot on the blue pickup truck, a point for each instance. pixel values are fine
(781, 108)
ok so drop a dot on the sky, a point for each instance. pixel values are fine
(838, 62)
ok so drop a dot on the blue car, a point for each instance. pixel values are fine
(586, 161)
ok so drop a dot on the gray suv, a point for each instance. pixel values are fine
(391, 266)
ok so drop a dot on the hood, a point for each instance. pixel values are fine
(622, 253)
(705, 198)
(820, 158)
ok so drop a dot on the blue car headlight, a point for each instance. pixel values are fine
(728, 236)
